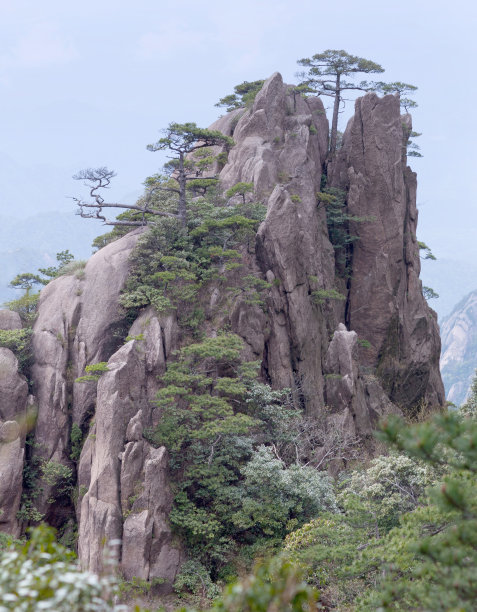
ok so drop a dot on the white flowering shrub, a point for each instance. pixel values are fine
(276, 499)
(392, 485)
(43, 575)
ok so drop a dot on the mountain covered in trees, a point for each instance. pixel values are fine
(203, 389)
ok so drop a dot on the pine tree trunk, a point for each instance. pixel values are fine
(182, 210)
(334, 123)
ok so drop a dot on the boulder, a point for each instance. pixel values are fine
(10, 319)
(13, 387)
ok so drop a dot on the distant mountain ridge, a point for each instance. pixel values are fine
(32, 243)
(459, 348)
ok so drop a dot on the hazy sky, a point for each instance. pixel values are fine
(91, 83)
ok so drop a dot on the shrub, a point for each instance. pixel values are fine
(275, 498)
(19, 342)
(42, 575)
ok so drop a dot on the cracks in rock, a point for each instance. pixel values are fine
(163, 342)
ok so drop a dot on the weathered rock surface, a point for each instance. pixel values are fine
(128, 496)
(385, 303)
(13, 406)
(358, 400)
(281, 144)
(459, 349)
(10, 320)
(77, 317)
(13, 386)
(11, 473)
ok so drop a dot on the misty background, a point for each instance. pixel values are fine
(92, 83)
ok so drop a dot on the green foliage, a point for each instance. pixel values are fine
(239, 189)
(94, 371)
(428, 253)
(187, 137)
(429, 293)
(325, 548)
(389, 487)
(433, 566)
(203, 428)
(243, 96)
(275, 498)
(339, 223)
(26, 307)
(42, 575)
(137, 587)
(194, 578)
(56, 474)
(326, 75)
(73, 268)
(251, 290)
(97, 368)
(117, 232)
(321, 295)
(469, 409)
(212, 412)
(64, 258)
(18, 341)
(403, 89)
(169, 268)
(76, 440)
(25, 281)
(273, 586)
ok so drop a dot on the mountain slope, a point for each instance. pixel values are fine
(459, 348)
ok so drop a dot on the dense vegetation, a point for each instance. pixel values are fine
(401, 535)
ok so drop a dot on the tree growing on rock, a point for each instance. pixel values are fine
(244, 95)
(179, 173)
(403, 89)
(326, 75)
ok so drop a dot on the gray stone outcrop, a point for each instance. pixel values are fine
(13, 408)
(281, 144)
(128, 496)
(77, 317)
(385, 302)
(357, 399)
(10, 319)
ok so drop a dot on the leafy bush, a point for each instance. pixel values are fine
(169, 267)
(42, 575)
(94, 372)
(273, 586)
(274, 498)
(194, 578)
(19, 342)
(321, 295)
(26, 306)
(434, 554)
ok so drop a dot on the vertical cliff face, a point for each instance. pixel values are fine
(385, 303)
(13, 407)
(281, 144)
(308, 344)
